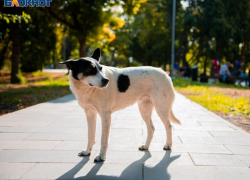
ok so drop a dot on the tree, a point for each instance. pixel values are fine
(11, 19)
(216, 29)
(83, 18)
(150, 33)
(38, 41)
(88, 19)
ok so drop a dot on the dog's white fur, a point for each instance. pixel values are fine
(150, 87)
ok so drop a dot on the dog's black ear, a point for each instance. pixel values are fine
(69, 63)
(97, 54)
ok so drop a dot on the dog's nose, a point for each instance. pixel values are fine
(105, 81)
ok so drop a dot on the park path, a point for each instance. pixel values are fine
(42, 142)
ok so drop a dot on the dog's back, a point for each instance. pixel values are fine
(129, 85)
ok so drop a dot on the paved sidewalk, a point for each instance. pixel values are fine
(42, 142)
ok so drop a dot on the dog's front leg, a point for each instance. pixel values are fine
(91, 120)
(106, 122)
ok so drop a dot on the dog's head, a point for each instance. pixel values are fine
(88, 70)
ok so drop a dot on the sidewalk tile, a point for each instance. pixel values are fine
(25, 144)
(24, 124)
(214, 124)
(161, 172)
(200, 148)
(84, 170)
(216, 160)
(234, 141)
(3, 128)
(239, 149)
(187, 133)
(13, 136)
(14, 170)
(39, 129)
(205, 128)
(226, 134)
(167, 157)
(245, 159)
(199, 140)
(69, 124)
(162, 139)
(58, 137)
(41, 156)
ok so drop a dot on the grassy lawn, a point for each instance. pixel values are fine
(15, 97)
(229, 101)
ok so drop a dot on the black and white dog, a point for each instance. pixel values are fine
(104, 90)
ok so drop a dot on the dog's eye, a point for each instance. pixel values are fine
(90, 68)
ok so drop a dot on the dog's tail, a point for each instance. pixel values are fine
(173, 118)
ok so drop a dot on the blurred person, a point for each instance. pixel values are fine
(237, 64)
(176, 67)
(215, 67)
(237, 68)
(224, 71)
(242, 72)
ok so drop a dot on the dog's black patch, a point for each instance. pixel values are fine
(84, 66)
(123, 83)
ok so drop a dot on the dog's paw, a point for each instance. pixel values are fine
(167, 147)
(84, 153)
(143, 148)
(99, 159)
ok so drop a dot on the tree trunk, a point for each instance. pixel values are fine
(244, 46)
(185, 51)
(82, 50)
(180, 51)
(15, 58)
(217, 48)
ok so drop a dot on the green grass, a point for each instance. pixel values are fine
(214, 99)
(37, 73)
(32, 93)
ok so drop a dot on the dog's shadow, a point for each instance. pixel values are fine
(161, 167)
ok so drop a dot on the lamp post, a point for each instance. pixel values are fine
(173, 38)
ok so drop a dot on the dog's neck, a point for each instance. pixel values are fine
(76, 85)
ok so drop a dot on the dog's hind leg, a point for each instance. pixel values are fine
(91, 120)
(146, 107)
(163, 112)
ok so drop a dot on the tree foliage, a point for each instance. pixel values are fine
(130, 32)
(218, 29)
(11, 21)
(89, 20)
(38, 41)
